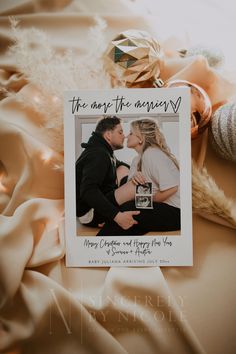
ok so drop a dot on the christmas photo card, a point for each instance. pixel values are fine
(128, 177)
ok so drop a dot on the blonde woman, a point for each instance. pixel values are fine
(154, 163)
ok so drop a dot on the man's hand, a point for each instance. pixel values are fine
(125, 219)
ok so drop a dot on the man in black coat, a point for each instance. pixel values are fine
(96, 177)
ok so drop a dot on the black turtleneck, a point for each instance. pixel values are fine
(96, 177)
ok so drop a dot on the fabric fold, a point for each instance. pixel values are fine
(48, 308)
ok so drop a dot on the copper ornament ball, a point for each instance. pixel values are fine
(201, 109)
(134, 58)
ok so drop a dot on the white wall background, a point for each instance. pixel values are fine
(206, 22)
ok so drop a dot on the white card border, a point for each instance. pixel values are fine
(181, 252)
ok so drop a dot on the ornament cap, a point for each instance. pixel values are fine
(159, 83)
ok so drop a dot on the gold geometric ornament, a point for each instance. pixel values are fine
(134, 59)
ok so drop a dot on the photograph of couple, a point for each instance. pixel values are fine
(106, 187)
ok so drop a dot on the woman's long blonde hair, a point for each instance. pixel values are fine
(150, 132)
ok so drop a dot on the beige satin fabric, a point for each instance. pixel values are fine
(48, 308)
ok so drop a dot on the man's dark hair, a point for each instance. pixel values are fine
(107, 123)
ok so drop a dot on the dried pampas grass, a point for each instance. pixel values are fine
(52, 73)
(208, 199)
